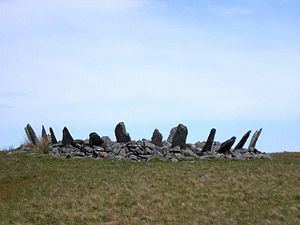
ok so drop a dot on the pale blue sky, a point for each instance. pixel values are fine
(233, 65)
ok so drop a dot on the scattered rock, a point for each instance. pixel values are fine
(144, 150)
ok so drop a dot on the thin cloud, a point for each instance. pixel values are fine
(3, 106)
(231, 11)
(12, 94)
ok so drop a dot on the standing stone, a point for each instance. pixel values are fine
(180, 136)
(210, 140)
(31, 135)
(254, 140)
(171, 135)
(226, 145)
(243, 141)
(67, 138)
(157, 138)
(95, 140)
(53, 138)
(121, 135)
(44, 133)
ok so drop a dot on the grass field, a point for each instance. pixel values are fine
(40, 190)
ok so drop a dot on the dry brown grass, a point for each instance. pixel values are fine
(40, 190)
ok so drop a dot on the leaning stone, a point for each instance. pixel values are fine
(53, 138)
(242, 142)
(31, 135)
(180, 136)
(95, 140)
(157, 138)
(226, 146)
(67, 138)
(44, 134)
(210, 140)
(121, 135)
(254, 140)
(171, 135)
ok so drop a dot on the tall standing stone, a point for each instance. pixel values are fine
(157, 138)
(210, 140)
(254, 140)
(31, 135)
(226, 145)
(180, 136)
(67, 138)
(121, 135)
(243, 141)
(171, 135)
(44, 133)
(95, 140)
(53, 138)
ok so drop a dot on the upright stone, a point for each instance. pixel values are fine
(53, 138)
(210, 140)
(67, 138)
(254, 140)
(226, 145)
(44, 133)
(180, 136)
(121, 135)
(95, 140)
(171, 135)
(31, 135)
(243, 141)
(157, 138)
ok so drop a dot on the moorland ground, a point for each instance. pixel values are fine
(37, 189)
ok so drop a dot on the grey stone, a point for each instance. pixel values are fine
(78, 141)
(103, 154)
(189, 153)
(243, 141)
(157, 138)
(112, 156)
(148, 144)
(67, 138)
(31, 135)
(133, 157)
(79, 154)
(44, 134)
(120, 132)
(53, 138)
(88, 149)
(254, 140)
(226, 146)
(210, 140)
(95, 139)
(179, 138)
(171, 135)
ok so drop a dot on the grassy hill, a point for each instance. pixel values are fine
(42, 190)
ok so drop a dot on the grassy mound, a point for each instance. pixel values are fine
(42, 190)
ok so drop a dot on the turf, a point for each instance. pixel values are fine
(42, 190)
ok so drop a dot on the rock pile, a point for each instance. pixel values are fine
(174, 149)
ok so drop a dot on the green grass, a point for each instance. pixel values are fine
(41, 190)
